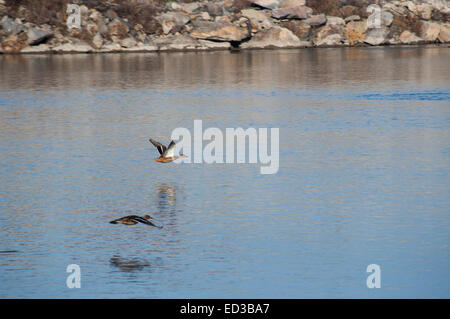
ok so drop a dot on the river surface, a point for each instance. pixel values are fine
(364, 175)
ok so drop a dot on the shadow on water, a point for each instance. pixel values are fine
(129, 265)
(166, 196)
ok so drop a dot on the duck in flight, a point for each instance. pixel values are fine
(133, 220)
(167, 154)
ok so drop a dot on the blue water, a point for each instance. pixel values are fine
(363, 179)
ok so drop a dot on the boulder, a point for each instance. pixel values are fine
(354, 31)
(118, 29)
(408, 37)
(302, 30)
(424, 11)
(14, 43)
(213, 9)
(335, 21)
(41, 48)
(218, 31)
(291, 3)
(37, 36)
(128, 42)
(328, 35)
(376, 36)
(276, 37)
(444, 34)
(352, 18)
(97, 41)
(172, 20)
(267, 4)
(12, 26)
(258, 18)
(316, 20)
(298, 12)
(386, 18)
(398, 11)
(430, 31)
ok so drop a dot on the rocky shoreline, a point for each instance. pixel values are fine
(148, 26)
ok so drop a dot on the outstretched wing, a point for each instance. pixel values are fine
(145, 221)
(170, 152)
(161, 148)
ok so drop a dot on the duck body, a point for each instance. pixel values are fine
(167, 154)
(133, 220)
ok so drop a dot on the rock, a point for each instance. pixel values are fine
(118, 28)
(172, 21)
(352, 18)
(299, 28)
(424, 11)
(190, 7)
(111, 14)
(205, 16)
(267, 4)
(175, 42)
(335, 21)
(440, 5)
(96, 16)
(298, 12)
(72, 48)
(128, 42)
(398, 11)
(213, 9)
(444, 34)
(328, 35)
(258, 18)
(349, 10)
(41, 48)
(376, 36)
(97, 41)
(211, 45)
(291, 3)
(218, 31)
(386, 18)
(354, 31)
(12, 26)
(430, 31)
(316, 20)
(14, 43)
(276, 37)
(408, 37)
(37, 36)
(92, 28)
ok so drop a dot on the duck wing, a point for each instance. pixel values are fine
(145, 221)
(161, 148)
(170, 151)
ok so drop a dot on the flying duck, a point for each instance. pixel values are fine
(133, 220)
(167, 154)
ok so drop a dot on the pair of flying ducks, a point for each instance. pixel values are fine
(167, 155)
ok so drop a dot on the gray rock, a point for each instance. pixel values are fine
(376, 36)
(128, 42)
(298, 12)
(172, 21)
(11, 26)
(267, 4)
(42, 48)
(37, 36)
(214, 9)
(335, 21)
(98, 40)
(352, 18)
(317, 20)
(386, 18)
(276, 37)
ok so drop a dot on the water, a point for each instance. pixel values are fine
(363, 178)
